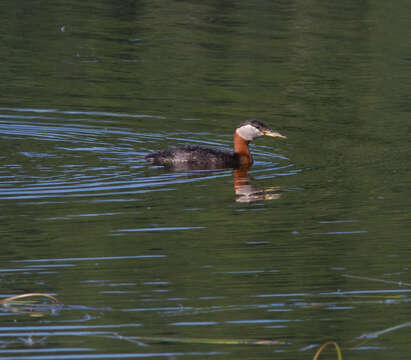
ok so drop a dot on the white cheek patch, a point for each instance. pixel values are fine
(248, 132)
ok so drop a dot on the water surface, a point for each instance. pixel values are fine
(152, 263)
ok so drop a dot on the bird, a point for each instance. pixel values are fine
(197, 157)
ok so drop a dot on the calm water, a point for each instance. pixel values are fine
(150, 263)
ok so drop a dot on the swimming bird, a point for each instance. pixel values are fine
(197, 157)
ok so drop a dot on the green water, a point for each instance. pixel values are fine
(315, 247)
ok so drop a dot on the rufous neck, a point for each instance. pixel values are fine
(242, 151)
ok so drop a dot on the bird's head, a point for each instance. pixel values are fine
(252, 129)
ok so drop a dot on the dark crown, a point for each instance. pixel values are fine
(256, 123)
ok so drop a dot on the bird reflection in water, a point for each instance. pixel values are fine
(246, 192)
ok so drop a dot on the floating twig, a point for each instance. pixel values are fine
(34, 308)
(323, 346)
(135, 339)
(5, 302)
(385, 331)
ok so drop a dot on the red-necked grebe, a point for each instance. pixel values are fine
(207, 158)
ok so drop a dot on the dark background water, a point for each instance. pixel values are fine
(321, 251)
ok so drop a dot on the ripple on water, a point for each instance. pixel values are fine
(62, 155)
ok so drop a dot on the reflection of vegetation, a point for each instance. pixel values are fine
(33, 304)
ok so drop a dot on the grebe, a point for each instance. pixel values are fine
(196, 157)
